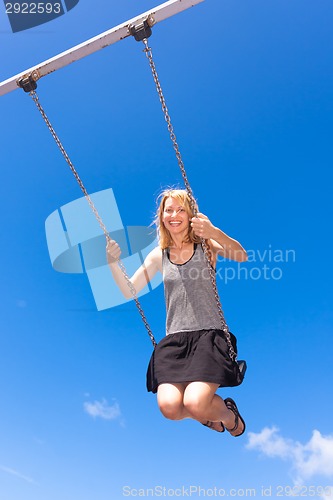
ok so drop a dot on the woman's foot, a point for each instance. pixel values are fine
(239, 422)
(215, 426)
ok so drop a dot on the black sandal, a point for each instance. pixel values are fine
(231, 405)
(210, 424)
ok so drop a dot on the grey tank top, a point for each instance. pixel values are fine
(189, 295)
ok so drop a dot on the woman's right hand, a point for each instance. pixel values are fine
(112, 251)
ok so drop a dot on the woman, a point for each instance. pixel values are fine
(192, 361)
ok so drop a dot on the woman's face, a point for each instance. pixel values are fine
(175, 217)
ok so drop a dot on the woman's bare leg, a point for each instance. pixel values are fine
(202, 402)
(196, 400)
(170, 401)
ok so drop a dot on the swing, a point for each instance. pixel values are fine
(141, 32)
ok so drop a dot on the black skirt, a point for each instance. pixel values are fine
(192, 356)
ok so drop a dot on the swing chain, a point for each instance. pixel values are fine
(212, 275)
(149, 54)
(137, 303)
(225, 329)
(35, 98)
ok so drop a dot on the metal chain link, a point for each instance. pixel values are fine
(130, 285)
(225, 329)
(173, 138)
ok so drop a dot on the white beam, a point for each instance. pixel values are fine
(101, 41)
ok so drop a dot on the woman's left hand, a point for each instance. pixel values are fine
(202, 226)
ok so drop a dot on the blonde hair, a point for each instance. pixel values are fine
(164, 236)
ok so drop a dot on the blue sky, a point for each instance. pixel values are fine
(249, 89)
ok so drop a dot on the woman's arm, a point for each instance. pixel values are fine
(222, 244)
(141, 277)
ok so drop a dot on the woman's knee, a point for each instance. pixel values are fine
(170, 400)
(172, 410)
(195, 405)
(198, 398)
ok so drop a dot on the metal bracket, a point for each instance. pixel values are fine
(142, 30)
(28, 82)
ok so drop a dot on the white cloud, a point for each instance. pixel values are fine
(103, 410)
(307, 460)
(17, 474)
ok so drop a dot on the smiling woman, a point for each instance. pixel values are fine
(173, 218)
(199, 353)
(193, 360)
